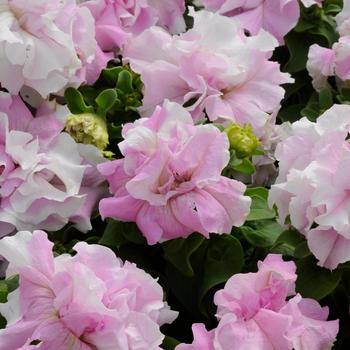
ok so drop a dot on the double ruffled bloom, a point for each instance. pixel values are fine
(254, 313)
(213, 68)
(326, 62)
(169, 181)
(86, 302)
(46, 178)
(277, 17)
(46, 45)
(118, 21)
(313, 188)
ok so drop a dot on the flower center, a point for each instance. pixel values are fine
(171, 181)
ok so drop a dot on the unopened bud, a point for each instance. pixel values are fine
(88, 128)
(242, 140)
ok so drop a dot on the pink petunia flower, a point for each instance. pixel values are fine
(335, 61)
(46, 178)
(86, 302)
(202, 339)
(47, 45)
(212, 68)
(313, 158)
(343, 20)
(119, 20)
(254, 313)
(169, 181)
(277, 17)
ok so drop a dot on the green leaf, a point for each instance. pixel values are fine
(325, 99)
(259, 208)
(333, 9)
(3, 322)
(314, 281)
(111, 236)
(179, 251)
(344, 96)
(184, 288)
(76, 103)
(326, 30)
(224, 258)
(287, 242)
(304, 25)
(312, 109)
(246, 167)
(12, 283)
(125, 81)
(258, 152)
(219, 126)
(105, 101)
(89, 93)
(169, 343)
(118, 233)
(7, 286)
(298, 48)
(3, 292)
(290, 113)
(114, 131)
(111, 75)
(257, 191)
(302, 250)
(262, 233)
(234, 160)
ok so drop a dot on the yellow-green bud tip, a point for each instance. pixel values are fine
(88, 128)
(242, 140)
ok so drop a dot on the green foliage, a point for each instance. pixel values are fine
(315, 26)
(179, 251)
(223, 259)
(318, 103)
(118, 233)
(288, 242)
(196, 265)
(191, 269)
(262, 233)
(313, 281)
(7, 286)
(169, 343)
(115, 96)
(344, 95)
(76, 102)
(105, 101)
(259, 209)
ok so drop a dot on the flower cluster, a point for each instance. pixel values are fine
(275, 16)
(254, 313)
(117, 21)
(89, 301)
(214, 68)
(326, 62)
(313, 158)
(47, 45)
(169, 180)
(167, 133)
(50, 45)
(46, 179)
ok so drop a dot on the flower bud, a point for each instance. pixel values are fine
(242, 140)
(88, 128)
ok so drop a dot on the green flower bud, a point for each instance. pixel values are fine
(88, 128)
(242, 140)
